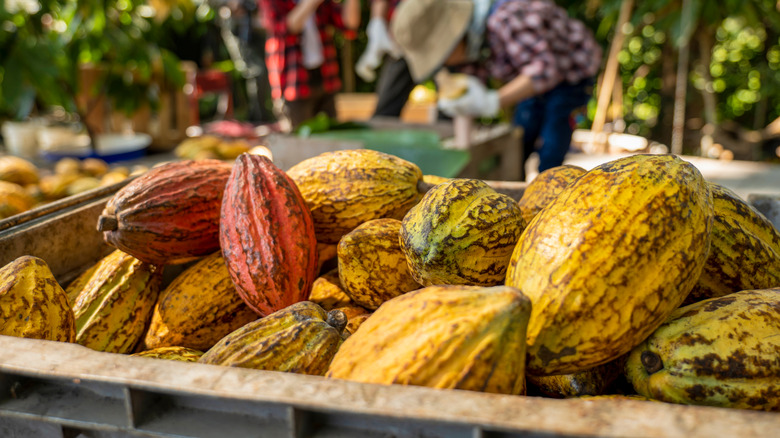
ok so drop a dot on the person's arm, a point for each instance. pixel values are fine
(301, 12)
(379, 9)
(350, 14)
(518, 89)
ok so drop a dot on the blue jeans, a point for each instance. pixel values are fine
(548, 116)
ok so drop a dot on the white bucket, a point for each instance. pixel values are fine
(20, 138)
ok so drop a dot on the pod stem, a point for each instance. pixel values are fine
(423, 187)
(651, 361)
(337, 319)
(107, 223)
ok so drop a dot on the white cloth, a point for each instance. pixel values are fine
(311, 44)
(379, 44)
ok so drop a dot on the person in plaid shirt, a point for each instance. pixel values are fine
(303, 70)
(545, 60)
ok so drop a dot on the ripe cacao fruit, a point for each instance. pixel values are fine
(301, 338)
(546, 187)
(267, 236)
(722, 351)
(610, 258)
(593, 381)
(170, 214)
(113, 301)
(14, 199)
(462, 232)
(17, 170)
(198, 308)
(328, 292)
(745, 249)
(458, 337)
(372, 267)
(32, 303)
(182, 354)
(343, 189)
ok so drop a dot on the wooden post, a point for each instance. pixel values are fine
(681, 88)
(610, 73)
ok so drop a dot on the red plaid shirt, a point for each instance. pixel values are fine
(288, 77)
(538, 39)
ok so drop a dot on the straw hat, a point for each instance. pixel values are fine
(428, 30)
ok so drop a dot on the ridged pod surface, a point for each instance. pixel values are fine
(372, 266)
(170, 214)
(745, 250)
(328, 292)
(198, 308)
(546, 187)
(456, 337)
(32, 303)
(343, 189)
(113, 301)
(719, 352)
(267, 236)
(17, 170)
(610, 258)
(299, 339)
(461, 232)
(593, 381)
(182, 354)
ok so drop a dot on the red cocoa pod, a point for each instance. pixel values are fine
(170, 214)
(267, 236)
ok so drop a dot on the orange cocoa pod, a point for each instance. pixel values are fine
(170, 214)
(267, 236)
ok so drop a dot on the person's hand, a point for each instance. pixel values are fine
(478, 101)
(379, 44)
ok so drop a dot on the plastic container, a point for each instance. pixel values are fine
(20, 138)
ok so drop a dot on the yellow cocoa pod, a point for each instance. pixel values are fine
(546, 187)
(113, 301)
(356, 315)
(593, 381)
(301, 338)
(230, 150)
(451, 85)
(55, 186)
(94, 167)
(372, 267)
(718, 352)
(67, 165)
(328, 292)
(462, 232)
(17, 170)
(32, 303)
(14, 199)
(610, 258)
(191, 147)
(112, 177)
(82, 184)
(434, 180)
(343, 189)
(745, 249)
(182, 354)
(634, 397)
(355, 322)
(458, 337)
(198, 308)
